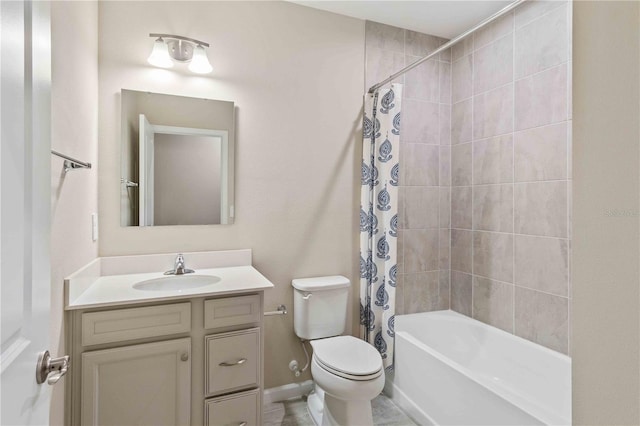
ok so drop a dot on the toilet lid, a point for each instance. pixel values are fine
(348, 357)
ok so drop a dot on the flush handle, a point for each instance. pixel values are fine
(232, 364)
(51, 369)
(307, 296)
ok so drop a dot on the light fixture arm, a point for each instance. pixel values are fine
(177, 37)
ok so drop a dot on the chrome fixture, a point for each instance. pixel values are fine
(281, 310)
(47, 365)
(182, 49)
(128, 183)
(71, 163)
(179, 268)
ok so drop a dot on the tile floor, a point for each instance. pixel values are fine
(294, 413)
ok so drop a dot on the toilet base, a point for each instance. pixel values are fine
(326, 410)
(315, 404)
(338, 412)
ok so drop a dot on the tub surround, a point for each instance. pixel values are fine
(109, 281)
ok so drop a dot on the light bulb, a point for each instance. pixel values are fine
(160, 55)
(200, 63)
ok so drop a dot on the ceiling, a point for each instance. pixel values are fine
(440, 18)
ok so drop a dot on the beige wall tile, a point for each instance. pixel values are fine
(444, 290)
(445, 124)
(421, 164)
(542, 263)
(380, 64)
(493, 207)
(493, 112)
(541, 208)
(420, 122)
(542, 318)
(541, 99)
(461, 77)
(492, 32)
(541, 153)
(493, 160)
(493, 303)
(461, 164)
(541, 44)
(422, 292)
(421, 209)
(461, 244)
(531, 10)
(419, 44)
(493, 255)
(381, 36)
(400, 251)
(422, 82)
(445, 82)
(462, 48)
(461, 203)
(461, 122)
(421, 250)
(493, 65)
(445, 165)
(445, 207)
(445, 249)
(461, 285)
(400, 294)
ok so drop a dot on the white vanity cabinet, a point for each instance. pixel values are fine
(195, 361)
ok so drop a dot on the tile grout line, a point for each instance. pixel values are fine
(513, 176)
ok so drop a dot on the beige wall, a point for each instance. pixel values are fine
(511, 178)
(606, 194)
(423, 211)
(74, 131)
(296, 76)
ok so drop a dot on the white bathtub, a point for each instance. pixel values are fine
(453, 370)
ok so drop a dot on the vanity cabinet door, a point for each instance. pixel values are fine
(148, 384)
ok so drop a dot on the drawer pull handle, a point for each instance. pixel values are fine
(231, 364)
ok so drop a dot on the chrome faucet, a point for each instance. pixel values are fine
(178, 268)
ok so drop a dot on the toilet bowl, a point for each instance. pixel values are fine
(350, 373)
(347, 371)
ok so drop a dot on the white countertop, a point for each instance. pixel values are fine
(89, 288)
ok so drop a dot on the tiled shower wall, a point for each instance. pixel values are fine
(511, 174)
(423, 240)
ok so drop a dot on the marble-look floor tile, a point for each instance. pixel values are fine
(385, 412)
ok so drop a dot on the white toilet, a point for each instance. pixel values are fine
(347, 371)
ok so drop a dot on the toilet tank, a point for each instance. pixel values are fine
(320, 306)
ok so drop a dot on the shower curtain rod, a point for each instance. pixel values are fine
(448, 44)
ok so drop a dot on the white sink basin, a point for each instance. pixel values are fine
(176, 282)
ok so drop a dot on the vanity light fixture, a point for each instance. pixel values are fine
(168, 48)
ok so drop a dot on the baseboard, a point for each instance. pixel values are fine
(288, 391)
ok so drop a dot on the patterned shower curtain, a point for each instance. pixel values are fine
(379, 219)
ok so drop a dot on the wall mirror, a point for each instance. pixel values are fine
(177, 160)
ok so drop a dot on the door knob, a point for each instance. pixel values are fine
(51, 369)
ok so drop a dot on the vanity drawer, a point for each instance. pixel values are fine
(135, 323)
(237, 409)
(232, 311)
(232, 361)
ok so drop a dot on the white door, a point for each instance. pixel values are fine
(148, 384)
(25, 80)
(146, 186)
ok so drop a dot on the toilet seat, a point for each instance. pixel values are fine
(348, 357)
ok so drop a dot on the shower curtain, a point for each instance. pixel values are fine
(379, 219)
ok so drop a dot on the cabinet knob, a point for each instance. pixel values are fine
(184, 357)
